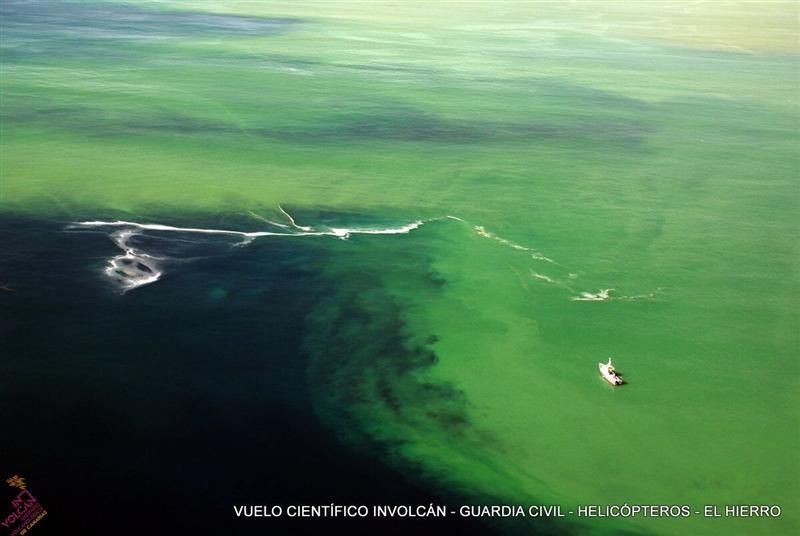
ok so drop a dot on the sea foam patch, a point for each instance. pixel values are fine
(133, 268)
(601, 295)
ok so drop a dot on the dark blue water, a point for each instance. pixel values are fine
(156, 410)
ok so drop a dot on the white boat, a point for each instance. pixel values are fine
(609, 374)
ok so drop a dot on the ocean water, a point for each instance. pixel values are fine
(266, 252)
(159, 409)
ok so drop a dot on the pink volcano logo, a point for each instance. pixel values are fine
(26, 510)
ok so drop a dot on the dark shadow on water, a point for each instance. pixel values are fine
(126, 22)
(156, 411)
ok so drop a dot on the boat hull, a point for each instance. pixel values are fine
(608, 375)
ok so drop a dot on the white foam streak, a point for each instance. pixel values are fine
(338, 232)
(291, 220)
(540, 257)
(481, 230)
(265, 220)
(601, 295)
(543, 277)
(170, 228)
(404, 229)
(605, 295)
(548, 279)
(135, 268)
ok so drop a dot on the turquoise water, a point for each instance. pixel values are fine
(583, 181)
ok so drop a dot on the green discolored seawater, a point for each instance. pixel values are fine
(652, 150)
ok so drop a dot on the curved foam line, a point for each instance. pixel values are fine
(601, 295)
(265, 220)
(539, 257)
(291, 220)
(404, 229)
(123, 271)
(114, 265)
(552, 281)
(339, 232)
(160, 227)
(118, 267)
(481, 230)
